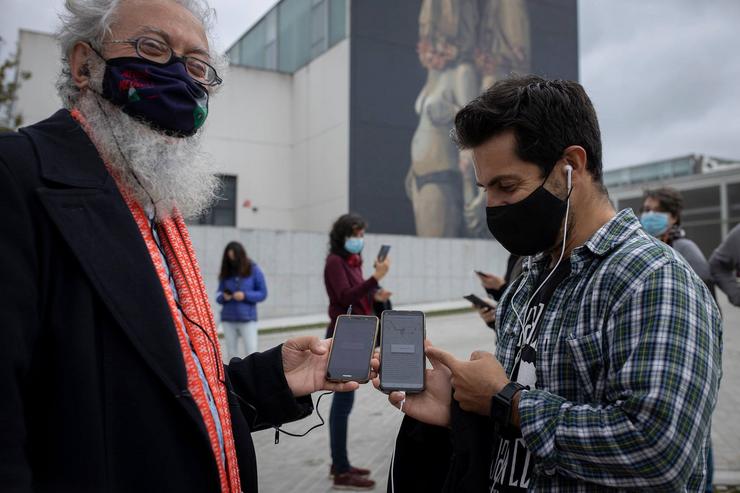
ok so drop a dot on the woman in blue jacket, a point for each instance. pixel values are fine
(241, 286)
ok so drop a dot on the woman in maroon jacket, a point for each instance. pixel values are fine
(346, 286)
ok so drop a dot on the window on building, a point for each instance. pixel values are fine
(292, 34)
(223, 212)
(733, 204)
(337, 21)
(701, 217)
(318, 27)
(271, 42)
(251, 47)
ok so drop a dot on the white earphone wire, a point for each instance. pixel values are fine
(569, 170)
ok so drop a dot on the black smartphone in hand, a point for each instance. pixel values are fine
(228, 292)
(383, 253)
(402, 359)
(352, 348)
(478, 302)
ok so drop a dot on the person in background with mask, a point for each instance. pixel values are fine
(241, 285)
(111, 375)
(661, 217)
(725, 264)
(347, 288)
(591, 387)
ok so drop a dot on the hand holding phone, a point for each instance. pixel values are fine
(381, 268)
(490, 281)
(402, 360)
(352, 348)
(479, 302)
(383, 253)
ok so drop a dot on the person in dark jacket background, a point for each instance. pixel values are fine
(241, 286)
(724, 264)
(346, 287)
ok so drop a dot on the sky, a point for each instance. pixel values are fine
(664, 75)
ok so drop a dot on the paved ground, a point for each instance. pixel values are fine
(302, 464)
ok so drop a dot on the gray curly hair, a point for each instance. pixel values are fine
(90, 20)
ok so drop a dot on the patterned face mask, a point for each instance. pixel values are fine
(163, 95)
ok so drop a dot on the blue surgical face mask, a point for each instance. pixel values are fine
(354, 244)
(655, 223)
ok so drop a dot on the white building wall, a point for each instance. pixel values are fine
(422, 269)
(320, 165)
(248, 133)
(37, 98)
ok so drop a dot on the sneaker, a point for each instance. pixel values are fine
(357, 471)
(349, 481)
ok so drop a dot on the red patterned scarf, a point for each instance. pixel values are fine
(191, 290)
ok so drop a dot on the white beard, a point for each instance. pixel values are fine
(170, 172)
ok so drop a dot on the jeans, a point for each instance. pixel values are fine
(341, 406)
(247, 331)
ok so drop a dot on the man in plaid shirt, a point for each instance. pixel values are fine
(608, 358)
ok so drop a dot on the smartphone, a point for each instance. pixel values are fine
(352, 348)
(383, 253)
(478, 302)
(228, 292)
(481, 273)
(402, 360)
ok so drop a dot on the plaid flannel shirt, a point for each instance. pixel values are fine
(628, 367)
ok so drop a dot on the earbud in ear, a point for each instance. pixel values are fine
(569, 170)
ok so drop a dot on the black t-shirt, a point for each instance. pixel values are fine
(511, 463)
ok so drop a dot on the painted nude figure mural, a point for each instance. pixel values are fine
(465, 45)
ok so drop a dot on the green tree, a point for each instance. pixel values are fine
(10, 81)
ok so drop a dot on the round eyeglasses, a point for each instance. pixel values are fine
(160, 52)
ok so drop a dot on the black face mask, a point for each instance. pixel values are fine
(529, 226)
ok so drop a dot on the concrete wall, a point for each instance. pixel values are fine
(248, 133)
(422, 269)
(37, 97)
(320, 167)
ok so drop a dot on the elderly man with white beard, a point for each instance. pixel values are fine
(110, 369)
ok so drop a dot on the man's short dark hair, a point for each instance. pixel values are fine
(669, 199)
(546, 117)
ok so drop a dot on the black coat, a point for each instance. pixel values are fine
(92, 379)
(434, 459)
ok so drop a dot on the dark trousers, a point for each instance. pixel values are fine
(341, 406)
(710, 470)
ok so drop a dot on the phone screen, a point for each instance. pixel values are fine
(402, 351)
(352, 348)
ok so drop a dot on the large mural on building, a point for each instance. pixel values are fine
(414, 64)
